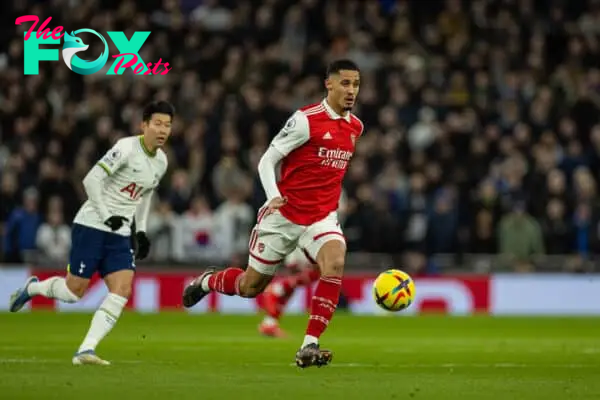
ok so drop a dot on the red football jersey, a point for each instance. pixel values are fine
(317, 144)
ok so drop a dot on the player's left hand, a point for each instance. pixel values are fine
(143, 245)
(275, 204)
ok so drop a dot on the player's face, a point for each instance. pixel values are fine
(343, 88)
(158, 129)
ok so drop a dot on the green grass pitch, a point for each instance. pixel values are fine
(176, 356)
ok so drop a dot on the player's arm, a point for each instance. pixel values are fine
(94, 182)
(142, 212)
(294, 134)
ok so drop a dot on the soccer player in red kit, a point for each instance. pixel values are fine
(313, 150)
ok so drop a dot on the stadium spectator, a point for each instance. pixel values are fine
(520, 238)
(53, 238)
(21, 227)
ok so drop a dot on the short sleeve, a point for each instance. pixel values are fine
(115, 157)
(294, 134)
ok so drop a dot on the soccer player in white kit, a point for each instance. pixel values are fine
(119, 187)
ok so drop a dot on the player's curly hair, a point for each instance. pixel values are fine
(158, 107)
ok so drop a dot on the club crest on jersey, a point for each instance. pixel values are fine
(287, 127)
(112, 156)
(115, 154)
(291, 123)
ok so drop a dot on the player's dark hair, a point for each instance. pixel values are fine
(338, 65)
(158, 107)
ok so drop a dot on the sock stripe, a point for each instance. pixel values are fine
(322, 320)
(335, 281)
(227, 281)
(108, 313)
(221, 282)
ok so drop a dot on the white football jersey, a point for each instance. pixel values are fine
(133, 173)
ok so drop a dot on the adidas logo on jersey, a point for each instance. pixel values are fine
(327, 136)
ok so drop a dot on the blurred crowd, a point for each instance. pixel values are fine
(482, 121)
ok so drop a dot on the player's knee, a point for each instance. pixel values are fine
(332, 264)
(331, 258)
(123, 290)
(77, 291)
(120, 283)
(77, 286)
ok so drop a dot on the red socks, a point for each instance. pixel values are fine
(324, 302)
(226, 281)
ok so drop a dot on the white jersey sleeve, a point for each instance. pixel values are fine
(93, 184)
(266, 172)
(116, 157)
(294, 134)
(143, 211)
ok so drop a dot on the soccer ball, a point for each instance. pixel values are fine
(394, 290)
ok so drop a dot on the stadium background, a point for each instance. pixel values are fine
(481, 152)
(478, 173)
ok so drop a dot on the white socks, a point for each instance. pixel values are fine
(103, 321)
(54, 288)
(308, 339)
(268, 320)
(277, 289)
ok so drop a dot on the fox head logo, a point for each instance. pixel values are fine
(73, 44)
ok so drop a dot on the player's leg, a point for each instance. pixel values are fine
(68, 289)
(83, 260)
(117, 270)
(271, 240)
(325, 243)
(231, 281)
(278, 294)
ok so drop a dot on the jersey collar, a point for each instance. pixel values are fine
(146, 150)
(333, 114)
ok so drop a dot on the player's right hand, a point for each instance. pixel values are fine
(275, 204)
(115, 222)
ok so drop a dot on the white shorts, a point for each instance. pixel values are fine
(274, 237)
(298, 259)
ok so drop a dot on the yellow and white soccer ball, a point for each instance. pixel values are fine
(394, 290)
